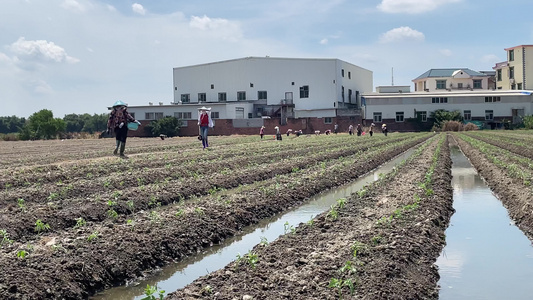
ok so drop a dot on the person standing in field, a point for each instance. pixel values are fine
(371, 130)
(384, 129)
(262, 131)
(118, 121)
(350, 129)
(359, 130)
(336, 128)
(278, 134)
(205, 122)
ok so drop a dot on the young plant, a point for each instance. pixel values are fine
(151, 291)
(40, 226)
(130, 223)
(93, 236)
(4, 238)
(21, 204)
(264, 241)
(179, 213)
(337, 283)
(22, 254)
(341, 202)
(333, 213)
(80, 222)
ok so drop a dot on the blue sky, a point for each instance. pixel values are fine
(80, 56)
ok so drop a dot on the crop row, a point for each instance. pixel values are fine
(82, 257)
(371, 245)
(64, 210)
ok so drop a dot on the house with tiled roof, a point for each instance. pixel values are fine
(435, 80)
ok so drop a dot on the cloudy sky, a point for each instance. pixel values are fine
(79, 56)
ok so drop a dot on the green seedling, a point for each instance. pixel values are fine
(130, 223)
(80, 222)
(180, 213)
(21, 204)
(5, 238)
(341, 202)
(264, 241)
(333, 214)
(112, 213)
(338, 284)
(154, 217)
(151, 291)
(131, 205)
(348, 268)
(40, 226)
(93, 236)
(22, 254)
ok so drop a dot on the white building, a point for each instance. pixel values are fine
(489, 107)
(453, 79)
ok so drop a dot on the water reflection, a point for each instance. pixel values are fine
(178, 275)
(486, 256)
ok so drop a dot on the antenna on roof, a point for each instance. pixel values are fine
(392, 76)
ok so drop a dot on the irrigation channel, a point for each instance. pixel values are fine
(180, 274)
(486, 256)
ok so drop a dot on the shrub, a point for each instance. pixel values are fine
(470, 126)
(452, 126)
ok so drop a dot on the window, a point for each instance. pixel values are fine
(201, 97)
(241, 96)
(349, 75)
(132, 114)
(158, 115)
(328, 120)
(262, 95)
(185, 98)
(215, 115)
(251, 84)
(183, 115)
(423, 116)
(499, 75)
(511, 55)
(439, 100)
(513, 86)
(342, 72)
(239, 112)
(304, 91)
(349, 96)
(212, 86)
(377, 117)
(477, 83)
(222, 97)
(489, 115)
(519, 86)
(149, 116)
(342, 93)
(493, 99)
(511, 72)
(441, 84)
(399, 116)
(467, 115)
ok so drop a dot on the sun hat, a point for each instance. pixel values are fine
(204, 108)
(119, 103)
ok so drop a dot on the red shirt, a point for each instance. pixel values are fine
(204, 120)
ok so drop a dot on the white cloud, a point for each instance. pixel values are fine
(40, 50)
(412, 6)
(136, 7)
(41, 87)
(446, 52)
(222, 28)
(401, 34)
(323, 41)
(206, 23)
(73, 5)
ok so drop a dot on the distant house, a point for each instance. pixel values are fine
(247, 93)
(452, 79)
(517, 72)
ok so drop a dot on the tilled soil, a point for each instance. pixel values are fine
(74, 263)
(381, 245)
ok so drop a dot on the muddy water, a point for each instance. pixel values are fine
(486, 256)
(180, 274)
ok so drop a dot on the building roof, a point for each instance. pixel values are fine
(448, 73)
(507, 49)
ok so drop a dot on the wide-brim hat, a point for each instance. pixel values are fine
(119, 103)
(204, 108)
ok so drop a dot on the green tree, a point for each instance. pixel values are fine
(528, 122)
(42, 125)
(169, 126)
(442, 115)
(11, 124)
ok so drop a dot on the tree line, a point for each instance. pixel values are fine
(43, 125)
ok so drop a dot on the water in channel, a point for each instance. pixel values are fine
(178, 275)
(486, 255)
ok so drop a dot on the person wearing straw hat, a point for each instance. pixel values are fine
(205, 122)
(118, 121)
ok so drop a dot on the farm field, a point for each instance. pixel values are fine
(75, 220)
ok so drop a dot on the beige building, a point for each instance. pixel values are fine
(513, 74)
(452, 79)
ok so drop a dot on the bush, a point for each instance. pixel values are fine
(9, 137)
